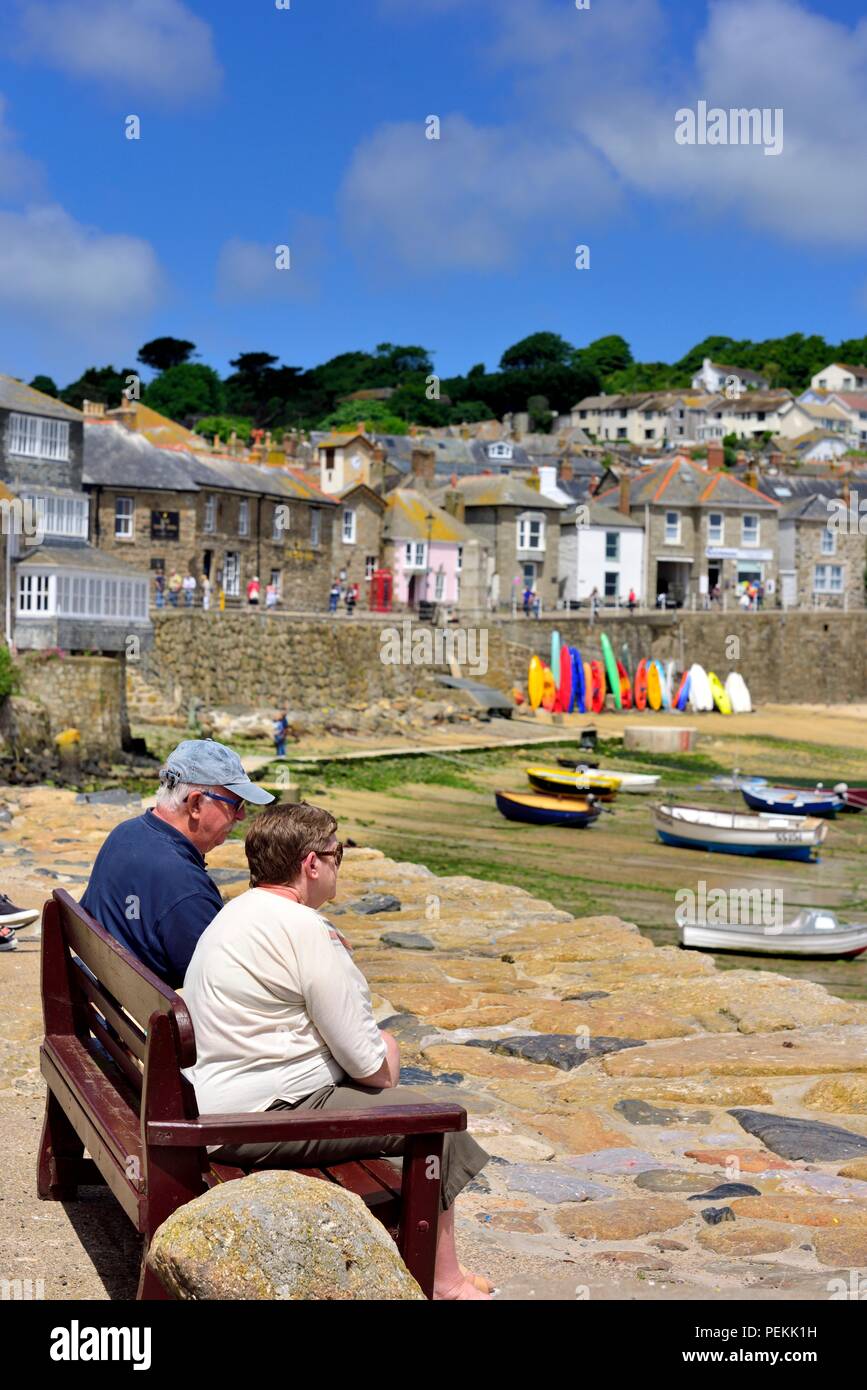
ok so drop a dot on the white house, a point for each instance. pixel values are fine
(714, 376)
(840, 377)
(601, 549)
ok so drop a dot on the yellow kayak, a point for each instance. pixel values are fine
(535, 682)
(557, 779)
(717, 690)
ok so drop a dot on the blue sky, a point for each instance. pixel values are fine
(306, 127)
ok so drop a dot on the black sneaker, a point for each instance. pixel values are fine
(12, 916)
(8, 940)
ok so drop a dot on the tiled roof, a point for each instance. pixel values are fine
(14, 395)
(683, 483)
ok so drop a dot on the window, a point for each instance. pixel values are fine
(277, 581)
(459, 563)
(828, 579)
(716, 528)
(529, 573)
(612, 545)
(124, 518)
(612, 584)
(369, 566)
(500, 451)
(650, 434)
(749, 529)
(531, 532)
(349, 520)
(621, 432)
(672, 528)
(415, 555)
(33, 591)
(315, 526)
(829, 541)
(35, 437)
(440, 587)
(243, 517)
(56, 516)
(98, 596)
(210, 522)
(232, 573)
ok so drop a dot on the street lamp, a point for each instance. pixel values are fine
(430, 521)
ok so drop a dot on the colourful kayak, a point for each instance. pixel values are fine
(578, 681)
(654, 685)
(641, 685)
(597, 686)
(566, 693)
(535, 682)
(717, 690)
(555, 650)
(549, 689)
(612, 675)
(682, 695)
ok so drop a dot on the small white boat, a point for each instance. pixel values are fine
(811, 933)
(629, 781)
(739, 832)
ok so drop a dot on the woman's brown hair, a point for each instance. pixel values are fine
(282, 836)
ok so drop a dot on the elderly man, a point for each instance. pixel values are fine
(149, 887)
(284, 1020)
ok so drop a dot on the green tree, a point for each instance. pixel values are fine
(162, 353)
(223, 425)
(606, 355)
(377, 417)
(186, 392)
(537, 350)
(46, 385)
(97, 384)
(10, 678)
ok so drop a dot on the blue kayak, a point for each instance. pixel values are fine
(786, 802)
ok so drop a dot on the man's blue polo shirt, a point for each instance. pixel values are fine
(149, 888)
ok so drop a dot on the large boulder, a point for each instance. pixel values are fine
(278, 1235)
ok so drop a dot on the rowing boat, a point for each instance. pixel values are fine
(811, 933)
(787, 801)
(556, 781)
(532, 809)
(739, 832)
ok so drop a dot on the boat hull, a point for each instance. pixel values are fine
(546, 810)
(732, 832)
(773, 801)
(803, 852)
(845, 943)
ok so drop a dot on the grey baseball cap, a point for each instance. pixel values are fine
(206, 763)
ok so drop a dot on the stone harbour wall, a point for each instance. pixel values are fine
(87, 693)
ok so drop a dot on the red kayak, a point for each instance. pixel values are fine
(625, 686)
(641, 685)
(598, 686)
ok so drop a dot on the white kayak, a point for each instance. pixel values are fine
(739, 695)
(700, 696)
(629, 781)
(811, 933)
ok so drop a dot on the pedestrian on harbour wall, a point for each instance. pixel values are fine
(206, 592)
(537, 605)
(334, 596)
(189, 587)
(631, 601)
(351, 598)
(176, 584)
(281, 728)
(160, 587)
(271, 596)
(254, 589)
(528, 599)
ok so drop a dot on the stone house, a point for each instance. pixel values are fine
(520, 527)
(357, 536)
(822, 553)
(58, 590)
(704, 529)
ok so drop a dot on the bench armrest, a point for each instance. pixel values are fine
(287, 1126)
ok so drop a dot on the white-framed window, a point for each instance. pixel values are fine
(612, 545)
(232, 573)
(34, 436)
(459, 562)
(440, 586)
(369, 566)
(33, 592)
(612, 585)
(349, 526)
(828, 579)
(243, 517)
(209, 523)
(500, 451)
(829, 541)
(124, 518)
(531, 531)
(315, 526)
(716, 528)
(415, 555)
(63, 515)
(672, 528)
(750, 529)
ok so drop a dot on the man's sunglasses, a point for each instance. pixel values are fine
(215, 796)
(335, 854)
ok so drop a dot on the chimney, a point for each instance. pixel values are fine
(740, 456)
(453, 503)
(379, 452)
(751, 478)
(566, 471)
(267, 442)
(623, 501)
(360, 426)
(715, 454)
(423, 464)
(290, 443)
(95, 410)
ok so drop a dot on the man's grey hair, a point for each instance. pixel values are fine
(172, 795)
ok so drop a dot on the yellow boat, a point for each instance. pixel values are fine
(557, 780)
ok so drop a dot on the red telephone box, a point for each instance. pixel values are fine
(380, 591)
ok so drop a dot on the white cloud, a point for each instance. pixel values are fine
(54, 267)
(592, 114)
(248, 270)
(471, 199)
(154, 48)
(20, 177)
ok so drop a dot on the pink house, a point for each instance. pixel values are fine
(423, 548)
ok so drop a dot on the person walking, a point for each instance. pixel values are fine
(175, 586)
(254, 589)
(271, 596)
(334, 596)
(594, 603)
(281, 729)
(189, 588)
(528, 599)
(351, 599)
(160, 587)
(631, 601)
(206, 592)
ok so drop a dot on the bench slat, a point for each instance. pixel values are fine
(355, 1177)
(118, 1052)
(266, 1126)
(110, 1117)
(125, 1027)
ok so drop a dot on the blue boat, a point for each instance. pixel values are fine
(535, 809)
(788, 801)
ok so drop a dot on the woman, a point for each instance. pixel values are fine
(284, 1021)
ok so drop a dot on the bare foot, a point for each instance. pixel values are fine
(479, 1280)
(459, 1292)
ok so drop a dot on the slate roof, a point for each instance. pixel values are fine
(504, 490)
(79, 556)
(406, 519)
(813, 507)
(156, 428)
(14, 395)
(682, 483)
(223, 474)
(609, 517)
(743, 372)
(118, 457)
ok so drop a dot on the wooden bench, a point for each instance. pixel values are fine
(116, 1040)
